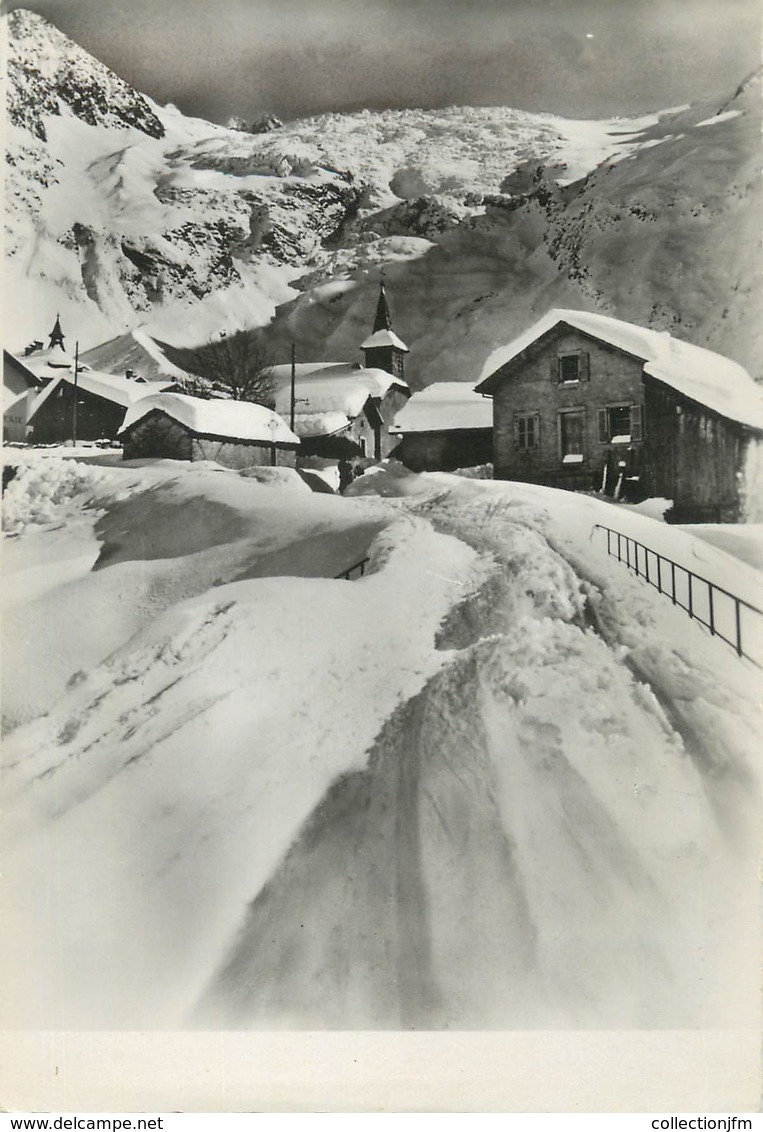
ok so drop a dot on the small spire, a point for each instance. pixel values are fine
(383, 320)
(56, 335)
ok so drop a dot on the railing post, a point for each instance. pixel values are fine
(619, 547)
(627, 552)
(710, 607)
(646, 554)
(689, 575)
(673, 573)
(739, 625)
(659, 573)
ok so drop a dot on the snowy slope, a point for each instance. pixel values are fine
(150, 211)
(497, 782)
(665, 236)
(123, 213)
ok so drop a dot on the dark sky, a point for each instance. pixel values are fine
(582, 58)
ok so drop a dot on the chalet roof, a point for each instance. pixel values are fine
(138, 351)
(701, 375)
(383, 338)
(119, 390)
(11, 363)
(332, 388)
(49, 363)
(444, 406)
(233, 420)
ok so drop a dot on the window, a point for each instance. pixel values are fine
(569, 369)
(526, 431)
(571, 436)
(620, 424)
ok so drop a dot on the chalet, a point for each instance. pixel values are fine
(101, 399)
(20, 387)
(238, 434)
(445, 426)
(587, 402)
(341, 410)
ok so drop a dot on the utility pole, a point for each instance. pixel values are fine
(74, 409)
(293, 384)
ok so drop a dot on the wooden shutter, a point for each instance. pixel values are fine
(556, 369)
(585, 367)
(516, 432)
(537, 430)
(603, 427)
(636, 424)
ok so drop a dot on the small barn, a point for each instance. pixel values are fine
(101, 399)
(340, 410)
(587, 402)
(445, 426)
(237, 434)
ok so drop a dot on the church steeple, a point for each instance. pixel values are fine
(383, 320)
(384, 350)
(56, 335)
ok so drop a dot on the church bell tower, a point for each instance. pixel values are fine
(383, 349)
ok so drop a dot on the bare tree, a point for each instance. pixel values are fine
(238, 366)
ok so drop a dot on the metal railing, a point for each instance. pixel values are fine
(356, 571)
(725, 615)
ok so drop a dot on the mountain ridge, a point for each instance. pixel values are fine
(481, 218)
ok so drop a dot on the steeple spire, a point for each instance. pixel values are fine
(383, 320)
(56, 335)
(383, 349)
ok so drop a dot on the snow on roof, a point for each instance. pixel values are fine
(383, 338)
(157, 354)
(442, 406)
(237, 420)
(49, 363)
(702, 375)
(119, 390)
(320, 424)
(337, 388)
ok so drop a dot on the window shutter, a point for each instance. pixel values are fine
(537, 430)
(585, 367)
(556, 369)
(636, 425)
(603, 430)
(516, 432)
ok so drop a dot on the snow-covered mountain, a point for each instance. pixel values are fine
(122, 213)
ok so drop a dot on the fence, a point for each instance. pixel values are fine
(356, 571)
(731, 618)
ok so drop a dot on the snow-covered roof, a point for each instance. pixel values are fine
(49, 363)
(702, 375)
(337, 388)
(119, 390)
(320, 424)
(383, 338)
(236, 420)
(445, 405)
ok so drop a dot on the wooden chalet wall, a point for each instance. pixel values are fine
(159, 436)
(693, 456)
(97, 418)
(531, 387)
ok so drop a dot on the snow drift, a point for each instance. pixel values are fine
(497, 782)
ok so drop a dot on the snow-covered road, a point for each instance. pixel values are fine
(497, 783)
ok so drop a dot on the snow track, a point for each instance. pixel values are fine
(496, 783)
(512, 855)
